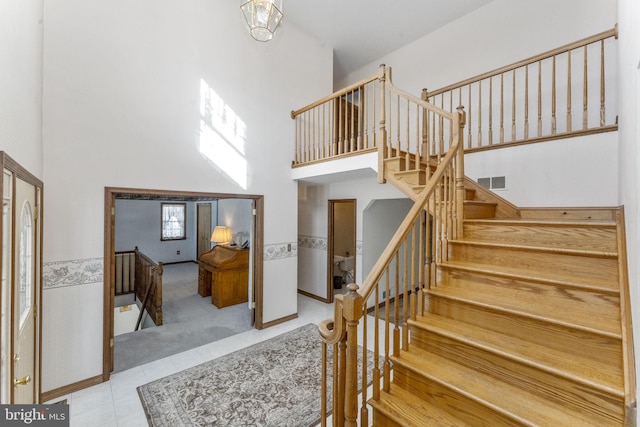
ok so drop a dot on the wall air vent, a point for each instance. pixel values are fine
(493, 183)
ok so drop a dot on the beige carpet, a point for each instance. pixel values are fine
(189, 322)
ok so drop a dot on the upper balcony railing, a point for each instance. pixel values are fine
(565, 92)
(340, 124)
(568, 91)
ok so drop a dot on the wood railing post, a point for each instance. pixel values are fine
(158, 290)
(382, 138)
(425, 130)
(459, 122)
(352, 313)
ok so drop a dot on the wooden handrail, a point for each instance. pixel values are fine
(148, 278)
(331, 331)
(417, 100)
(339, 93)
(401, 233)
(442, 197)
(147, 259)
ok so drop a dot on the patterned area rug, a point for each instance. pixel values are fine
(272, 383)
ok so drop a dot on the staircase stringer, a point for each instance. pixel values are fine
(626, 324)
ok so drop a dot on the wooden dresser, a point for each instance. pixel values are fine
(224, 275)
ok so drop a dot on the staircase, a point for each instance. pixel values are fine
(523, 326)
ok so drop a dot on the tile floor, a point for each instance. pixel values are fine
(116, 403)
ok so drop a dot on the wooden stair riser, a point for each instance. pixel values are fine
(395, 164)
(400, 164)
(479, 210)
(599, 238)
(547, 384)
(573, 214)
(449, 399)
(381, 419)
(601, 271)
(469, 193)
(413, 177)
(401, 408)
(603, 348)
(473, 209)
(584, 307)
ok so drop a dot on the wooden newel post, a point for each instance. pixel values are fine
(352, 312)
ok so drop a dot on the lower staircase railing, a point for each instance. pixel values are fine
(125, 272)
(148, 287)
(371, 322)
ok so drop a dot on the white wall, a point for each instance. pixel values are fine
(124, 87)
(313, 223)
(313, 234)
(380, 221)
(21, 82)
(237, 215)
(580, 171)
(138, 224)
(629, 161)
(498, 34)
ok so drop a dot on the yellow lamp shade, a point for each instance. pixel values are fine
(221, 234)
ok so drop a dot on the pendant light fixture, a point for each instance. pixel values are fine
(262, 17)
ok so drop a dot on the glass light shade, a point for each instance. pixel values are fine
(262, 17)
(221, 234)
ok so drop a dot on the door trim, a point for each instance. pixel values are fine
(110, 196)
(331, 228)
(6, 162)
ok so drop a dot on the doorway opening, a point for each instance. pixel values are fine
(199, 206)
(341, 262)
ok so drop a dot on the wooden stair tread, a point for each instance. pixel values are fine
(520, 405)
(573, 235)
(553, 277)
(408, 410)
(410, 171)
(479, 203)
(546, 221)
(585, 370)
(588, 309)
(537, 248)
(464, 297)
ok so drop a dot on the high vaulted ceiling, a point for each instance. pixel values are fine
(360, 31)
